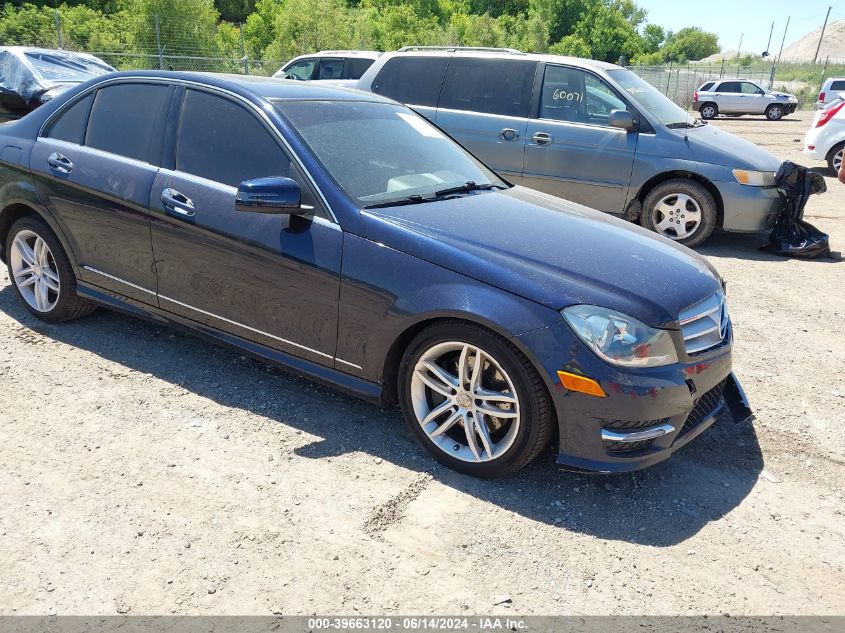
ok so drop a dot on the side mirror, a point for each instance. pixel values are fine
(270, 195)
(621, 119)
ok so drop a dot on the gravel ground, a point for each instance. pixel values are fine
(149, 472)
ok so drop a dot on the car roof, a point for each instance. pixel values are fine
(341, 53)
(51, 51)
(259, 86)
(481, 53)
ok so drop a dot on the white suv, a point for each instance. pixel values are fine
(337, 66)
(741, 96)
(831, 88)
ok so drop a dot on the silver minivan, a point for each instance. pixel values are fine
(590, 132)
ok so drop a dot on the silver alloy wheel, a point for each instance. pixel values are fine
(708, 112)
(465, 402)
(676, 216)
(775, 113)
(34, 271)
(837, 160)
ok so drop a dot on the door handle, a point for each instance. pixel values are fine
(60, 163)
(177, 203)
(508, 134)
(541, 138)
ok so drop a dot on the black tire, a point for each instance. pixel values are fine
(535, 406)
(694, 190)
(832, 157)
(708, 110)
(775, 112)
(68, 304)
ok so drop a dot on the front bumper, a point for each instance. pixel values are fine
(749, 209)
(685, 398)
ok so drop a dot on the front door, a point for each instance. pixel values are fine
(95, 174)
(272, 279)
(570, 150)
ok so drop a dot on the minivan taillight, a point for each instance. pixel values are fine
(828, 114)
(695, 97)
(821, 96)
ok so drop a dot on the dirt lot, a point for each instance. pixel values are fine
(146, 471)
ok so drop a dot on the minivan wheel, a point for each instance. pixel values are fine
(834, 158)
(473, 400)
(41, 273)
(774, 112)
(709, 111)
(680, 209)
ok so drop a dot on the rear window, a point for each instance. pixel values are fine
(707, 86)
(356, 67)
(123, 118)
(411, 80)
(492, 86)
(837, 85)
(70, 126)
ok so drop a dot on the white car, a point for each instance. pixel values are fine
(825, 140)
(735, 97)
(335, 66)
(831, 88)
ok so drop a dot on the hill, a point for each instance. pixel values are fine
(833, 45)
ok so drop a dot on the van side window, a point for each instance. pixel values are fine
(70, 126)
(492, 86)
(411, 80)
(570, 94)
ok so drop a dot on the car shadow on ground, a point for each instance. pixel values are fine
(661, 506)
(745, 246)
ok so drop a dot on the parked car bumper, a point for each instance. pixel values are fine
(675, 403)
(749, 209)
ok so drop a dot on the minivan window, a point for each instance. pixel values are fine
(124, 117)
(492, 86)
(381, 153)
(571, 94)
(70, 126)
(357, 66)
(411, 80)
(650, 98)
(222, 141)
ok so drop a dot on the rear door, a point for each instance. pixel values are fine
(484, 105)
(570, 150)
(728, 97)
(273, 279)
(95, 167)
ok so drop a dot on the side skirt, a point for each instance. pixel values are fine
(369, 391)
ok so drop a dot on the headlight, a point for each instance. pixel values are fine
(620, 339)
(755, 178)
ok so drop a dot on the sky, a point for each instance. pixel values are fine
(729, 19)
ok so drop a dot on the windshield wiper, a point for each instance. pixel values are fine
(685, 125)
(414, 199)
(465, 188)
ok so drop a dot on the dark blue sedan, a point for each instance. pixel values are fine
(341, 235)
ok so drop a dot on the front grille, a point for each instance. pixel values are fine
(704, 407)
(705, 324)
(630, 425)
(627, 447)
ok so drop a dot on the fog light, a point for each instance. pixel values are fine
(574, 382)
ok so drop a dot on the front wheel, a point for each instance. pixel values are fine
(774, 112)
(680, 209)
(41, 273)
(473, 400)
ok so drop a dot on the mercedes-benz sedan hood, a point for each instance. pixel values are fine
(551, 251)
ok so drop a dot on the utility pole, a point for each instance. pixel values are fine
(158, 45)
(244, 58)
(824, 26)
(739, 50)
(58, 22)
(785, 29)
(771, 30)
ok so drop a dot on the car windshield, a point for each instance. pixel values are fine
(381, 153)
(651, 99)
(65, 67)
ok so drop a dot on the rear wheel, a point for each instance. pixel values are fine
(473, 400)
(680, 209)
(774, 112)
(41, 273)
(834, 158)
(708, 111)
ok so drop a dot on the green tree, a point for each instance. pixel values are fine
(304, 26)
(186, 27)
(653, 38)
(691, 43)
(608, 33)
(235, 10)
(572, 45)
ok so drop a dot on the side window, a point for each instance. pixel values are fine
(302, 70)
(749, 88)
(330, 69)
(837, 85)
(224, 142)
(706, 87)
(356, 66)
(729, 86)
(70, 126)
(123, 118)
(599, 101)
(571, 94)
(493, 86)
(411, 80)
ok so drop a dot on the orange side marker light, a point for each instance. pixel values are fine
(574, 382)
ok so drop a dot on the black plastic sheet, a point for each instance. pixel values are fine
(791, 235)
